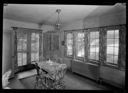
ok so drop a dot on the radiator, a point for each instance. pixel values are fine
(87, 69)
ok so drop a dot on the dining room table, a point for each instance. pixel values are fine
(55, 70)
(51, 67)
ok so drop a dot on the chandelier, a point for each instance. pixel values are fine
(58, 24)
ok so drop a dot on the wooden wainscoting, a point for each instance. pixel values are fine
(112, 76)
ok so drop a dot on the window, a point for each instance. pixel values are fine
(22, 48)
(69, 45)
(112, 46)
(22, 59)
(94, 45)
(35, 47)
(79, 44)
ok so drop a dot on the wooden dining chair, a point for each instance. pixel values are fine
(61, 76)
(39, 82)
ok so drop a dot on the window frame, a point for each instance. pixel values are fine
(28, 32)
(95, 29)
(116, 66)
(65, 39)
(22, 51)
(75, 55)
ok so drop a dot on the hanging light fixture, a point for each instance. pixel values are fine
(58, 24)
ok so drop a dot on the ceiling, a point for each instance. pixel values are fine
(45, 14)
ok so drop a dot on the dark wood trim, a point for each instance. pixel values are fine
(15, 28)
(40, 46)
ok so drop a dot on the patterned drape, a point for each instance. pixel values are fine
(50, 44)
(102, 46)
(122, 47)
(14, 38)
(86, 45)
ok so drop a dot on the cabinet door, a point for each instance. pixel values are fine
(46, 45)
(50, 44)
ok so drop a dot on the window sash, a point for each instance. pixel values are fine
(112, 49)
(94, 45)
(79, 45)
(69, 44)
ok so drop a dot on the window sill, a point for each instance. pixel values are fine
(94, 64)
(77, 60)
(89, 63)
(111, 65)
(69, 56)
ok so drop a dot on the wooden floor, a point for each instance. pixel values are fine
(72, 81)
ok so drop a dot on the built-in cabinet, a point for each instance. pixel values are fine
(51, 44)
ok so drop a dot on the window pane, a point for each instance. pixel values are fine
(96, 35)
(69, 52)
(110, 34)
(24, 44)
(116, 50)
(110, 58)
(97, 49)
(116, 43)
(92, 49)
(19, 44)
(92, 34)
(91, 41)
(19, 59)
(115, 59)
(116, 33)
(110, 50)
(80, 44)
(69, 43)
(24, 59)
(35, 56)
(97, 56)
(33, 36)
(21, 41)
(69, 36)
(95, 42)
(110, 42)
(92, 56)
